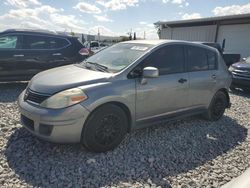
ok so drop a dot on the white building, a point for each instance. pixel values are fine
(235, 29)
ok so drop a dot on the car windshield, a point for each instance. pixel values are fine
(119, 56)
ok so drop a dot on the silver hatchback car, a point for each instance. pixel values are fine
(125, 87)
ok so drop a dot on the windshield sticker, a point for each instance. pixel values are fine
(140, 48)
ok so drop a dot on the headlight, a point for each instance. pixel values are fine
(65, 98)
(231, 69)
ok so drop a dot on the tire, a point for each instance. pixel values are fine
(217, 107)
(105, 128)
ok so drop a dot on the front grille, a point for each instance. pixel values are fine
(27, 122)
(35, 97)
(242, 73)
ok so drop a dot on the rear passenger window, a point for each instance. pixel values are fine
(212, 60)
(35, 42)
(43, 42)
(197, 59)
(168, 60)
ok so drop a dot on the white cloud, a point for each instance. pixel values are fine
(44, 17)
(165, 1)
(118, 4)
(142, 23)
(102, 18)
(181, 3)
(191, 16)
(22, 3)
(88, 8)
(230, 10)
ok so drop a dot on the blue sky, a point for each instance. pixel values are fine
(112, 17)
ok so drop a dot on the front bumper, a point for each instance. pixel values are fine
(241, 81)
(55, 125)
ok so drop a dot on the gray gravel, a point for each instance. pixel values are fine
(184, 153)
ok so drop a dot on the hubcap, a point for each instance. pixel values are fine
(108, 130)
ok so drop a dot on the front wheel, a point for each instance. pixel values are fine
(105, 128)
(217, 107)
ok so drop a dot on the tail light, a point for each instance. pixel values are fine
(84, 52)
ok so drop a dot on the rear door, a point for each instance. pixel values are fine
(37, 53)
(11, 57)
(203, 73)
(61, 52)
(45, 52)
(167, 93)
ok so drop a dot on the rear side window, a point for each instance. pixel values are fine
(8, 42)
(168, 59)
(43, 42)
(212, 60)
(55, 43)
(197, 59)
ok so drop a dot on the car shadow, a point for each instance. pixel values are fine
(146, 155)
(11, 91)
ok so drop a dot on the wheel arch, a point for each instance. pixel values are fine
(123, 107)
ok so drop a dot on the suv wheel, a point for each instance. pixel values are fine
(105, 128)
(217, 107)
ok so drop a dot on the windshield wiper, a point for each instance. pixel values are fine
(97, 66)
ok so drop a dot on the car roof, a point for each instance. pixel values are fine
(161, 41)
(41, 32)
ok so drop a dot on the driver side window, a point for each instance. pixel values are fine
(168, 59)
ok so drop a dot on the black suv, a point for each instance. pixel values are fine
(24, 53)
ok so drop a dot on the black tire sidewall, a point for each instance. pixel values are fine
(89, 129)
(210, 115)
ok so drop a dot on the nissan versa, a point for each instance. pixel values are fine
(124, 87)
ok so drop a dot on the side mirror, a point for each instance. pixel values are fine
(150, 72)
(244, 59)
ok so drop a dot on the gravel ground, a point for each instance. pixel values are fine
(185, 153)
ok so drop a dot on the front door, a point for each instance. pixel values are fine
(11, 56)
(167, 93)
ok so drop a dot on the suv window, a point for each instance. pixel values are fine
(43, 42)
(8, 42)
(197, 59)
(168, 59)
(35, 42)
(55, 43)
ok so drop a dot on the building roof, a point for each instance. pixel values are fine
(209, 20)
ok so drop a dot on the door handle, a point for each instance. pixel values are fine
(182, 80)
(18, 55)
(56, 54)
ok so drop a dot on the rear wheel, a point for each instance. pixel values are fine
(217, 107)
(105, 128)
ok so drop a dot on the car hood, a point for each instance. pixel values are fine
(65, 77)
(241, 66)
